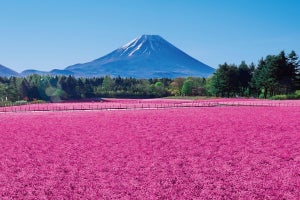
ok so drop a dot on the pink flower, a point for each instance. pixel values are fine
(230, 152)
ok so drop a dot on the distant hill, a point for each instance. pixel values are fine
(52, 72)
(149, 56)
(5, 71)
(61, 72)
(33, 71)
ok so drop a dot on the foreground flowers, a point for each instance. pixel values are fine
(218, 152)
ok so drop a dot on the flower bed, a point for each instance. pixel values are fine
(207, 152)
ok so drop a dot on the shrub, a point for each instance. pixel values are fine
(21, 102)
(296, 95)
(280, 97)
(5, 103)
(38, 101)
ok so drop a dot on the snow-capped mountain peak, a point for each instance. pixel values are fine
(148, 56)
(144, 44)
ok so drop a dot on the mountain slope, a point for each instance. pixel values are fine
(149, 56)
(5, 71)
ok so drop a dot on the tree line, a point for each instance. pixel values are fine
(273, 75)
(57, 88)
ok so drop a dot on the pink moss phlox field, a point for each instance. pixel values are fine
(146, 104)
(236, 152)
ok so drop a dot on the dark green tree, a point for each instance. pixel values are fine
(244, 77)
(225, 81)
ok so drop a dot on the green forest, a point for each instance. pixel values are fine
(275, 76)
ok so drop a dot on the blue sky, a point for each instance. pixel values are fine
(49, 34)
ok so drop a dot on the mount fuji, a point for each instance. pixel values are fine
(148, 56)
